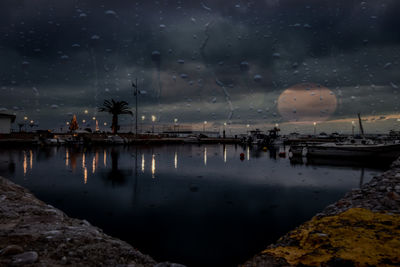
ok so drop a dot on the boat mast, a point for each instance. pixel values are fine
(361, 127)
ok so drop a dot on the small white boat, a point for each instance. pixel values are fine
(363, 150)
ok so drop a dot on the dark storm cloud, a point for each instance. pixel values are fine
(76, 53)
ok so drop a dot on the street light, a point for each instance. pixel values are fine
(223, 133)
(176, 124)
(315, 128)
(204, 126)
(86, 111)
(153, 119)
(94, 118)
(25, 119)
(352, 127)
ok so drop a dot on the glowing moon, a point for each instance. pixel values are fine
(307, 102)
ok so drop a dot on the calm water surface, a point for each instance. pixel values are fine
(196, 205)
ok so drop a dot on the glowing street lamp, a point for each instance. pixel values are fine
(94, 118)
(175, 124)
(86, 111)
(315, 128)
(105, 124)
(204, 126)
(153, 119)
(223, 133)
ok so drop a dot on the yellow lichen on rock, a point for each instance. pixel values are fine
(358, 235)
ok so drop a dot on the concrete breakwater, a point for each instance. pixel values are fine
(36, 234)
(361, 229)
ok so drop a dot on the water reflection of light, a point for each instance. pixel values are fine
(84, 168)
(105, 158)
(94, 164)
(66, 157)
(176, 160)
(224, 153)
(143, 163)
(85, 175)
(153, 166)
(83, 160)
(25, 165)
(30, 159)
(205, 156)
(248, 153)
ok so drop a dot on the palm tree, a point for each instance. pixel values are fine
(115, 108)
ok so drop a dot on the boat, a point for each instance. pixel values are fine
(354, 150)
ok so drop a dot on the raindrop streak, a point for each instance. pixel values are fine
(156, 58)
(221, 84)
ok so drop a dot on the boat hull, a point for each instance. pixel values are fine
(365, 151)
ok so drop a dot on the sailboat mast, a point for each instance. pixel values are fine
(361, 127)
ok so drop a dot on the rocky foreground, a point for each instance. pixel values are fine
(33, 233)
(361, 229)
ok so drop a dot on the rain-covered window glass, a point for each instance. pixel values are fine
(235, 64)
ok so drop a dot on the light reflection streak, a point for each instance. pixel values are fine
(153, 166)
(176, 160)
(94, 164)
(143, 163)
(225, 154)
(83, 160)
(85, 175)
(205, 156)
(248, 153)
(84, 168)
(30, 159)
(25, 164)
(105, 158)
(66, 157)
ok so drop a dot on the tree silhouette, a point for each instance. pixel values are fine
(115, 108)
(73, 125)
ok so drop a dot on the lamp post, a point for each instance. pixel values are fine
(31, 124)
(25, 120)
(315, 128)
(153, 119)
(224, 132)
(176, 124)
(143, 118)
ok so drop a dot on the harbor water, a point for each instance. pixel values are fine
(198, 205)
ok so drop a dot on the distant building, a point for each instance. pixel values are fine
(5, 122)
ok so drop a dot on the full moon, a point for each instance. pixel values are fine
(307, 102)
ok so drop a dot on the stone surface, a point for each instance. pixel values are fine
(51, 238)
(11, 250)
(25, 258)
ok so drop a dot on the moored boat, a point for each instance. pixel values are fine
(389, 151)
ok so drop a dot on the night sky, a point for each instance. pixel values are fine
(217, 61)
